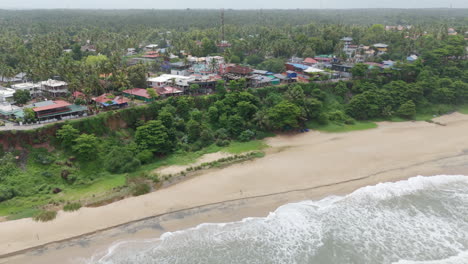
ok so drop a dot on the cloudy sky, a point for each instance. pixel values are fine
(237, 4)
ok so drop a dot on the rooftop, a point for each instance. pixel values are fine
(168, 90)
(167, 77)
(310, 60)
(380, 45)
(6, 92)
(108, 99)
(54, 83)
(51, 105)
(25, 85)
(138, 92)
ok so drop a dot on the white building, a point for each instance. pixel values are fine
(33, 88)
(54, 88)
(151, 47)
(6, 94)
(171, 80)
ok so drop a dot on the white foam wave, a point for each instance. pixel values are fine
(422, 216)
(461, 258)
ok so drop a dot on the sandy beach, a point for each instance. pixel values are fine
(299, 167)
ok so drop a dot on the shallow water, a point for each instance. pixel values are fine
(420, 220)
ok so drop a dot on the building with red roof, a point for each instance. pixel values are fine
(56, 109)
(110, 100)
(139, 94)
(310, 61)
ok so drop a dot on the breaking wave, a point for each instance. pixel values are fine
(422, 220)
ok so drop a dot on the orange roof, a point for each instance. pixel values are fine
(57, 104)
(310, 60)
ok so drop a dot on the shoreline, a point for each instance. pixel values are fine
(438, 158)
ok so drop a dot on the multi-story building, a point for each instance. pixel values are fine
(54, 88)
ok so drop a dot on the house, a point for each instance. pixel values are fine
(33, 88)
(9, 111)
(283, 78)
(131, 51)
(88, 48)
(348, 46)
(109, 100)
(296, 67)
(324, 58)
(412, 58)
(168, 91)
(452, 32)
(223, 45)
(381, 48)
(239, 70)
(171, 80)
(291, 74)
(310, 61)
(179, 68)
(139, 94)
(207, 83)
(342, 67)
(54, 88)
(388, 64)
(257, 80)
(6, 94)
(58, 109)
(151, 47)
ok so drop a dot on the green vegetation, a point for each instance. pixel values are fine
(70, 207)
(45, 216)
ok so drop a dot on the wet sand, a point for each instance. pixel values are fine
(300, 167)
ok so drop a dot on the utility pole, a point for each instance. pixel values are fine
(222, 25)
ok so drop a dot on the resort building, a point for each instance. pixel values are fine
(54, 88)
(57, 110)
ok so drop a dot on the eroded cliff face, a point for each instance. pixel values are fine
(19, 139)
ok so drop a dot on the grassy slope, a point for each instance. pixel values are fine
(21, 207)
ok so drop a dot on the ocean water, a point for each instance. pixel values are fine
(423, 220)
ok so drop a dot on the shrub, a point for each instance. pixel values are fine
(140, 189)
(121, 160)
(44, 216)
(6, 193)
(70, 207)
(246, 135)
(338, 116)
(222, 143)
(323, 119)
(145, 156)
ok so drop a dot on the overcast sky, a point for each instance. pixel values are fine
(236, 4)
